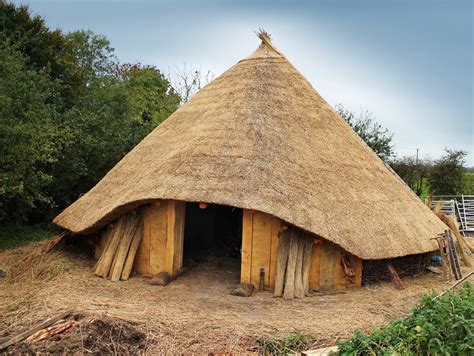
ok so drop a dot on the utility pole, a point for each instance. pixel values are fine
(419, 184)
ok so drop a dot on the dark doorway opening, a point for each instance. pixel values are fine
(213, 233)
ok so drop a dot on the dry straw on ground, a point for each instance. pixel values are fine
(196, 312)
(260, 137)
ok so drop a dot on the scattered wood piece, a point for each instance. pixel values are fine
(454, 285)
(434, 269)
(102, 267)
(50, 331)
(116, 260)
(122, 250)
(348, 270)
(24, 335)
(127, 267)
(453, 224)
(54, 243)
(394, 276)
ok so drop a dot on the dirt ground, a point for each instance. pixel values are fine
(194, 313)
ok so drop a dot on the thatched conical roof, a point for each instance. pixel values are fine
(260, 137)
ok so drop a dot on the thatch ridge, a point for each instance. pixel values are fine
(260, 137)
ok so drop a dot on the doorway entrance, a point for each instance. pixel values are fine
(213, 233)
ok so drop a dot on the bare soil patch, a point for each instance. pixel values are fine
(92, 336)
(194, 313)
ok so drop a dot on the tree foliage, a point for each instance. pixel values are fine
(414, 172)
(447, 173)
(69, 112)
(445, 176)
(27, 134)
(378, 138)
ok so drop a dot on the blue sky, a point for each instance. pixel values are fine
(408, 62)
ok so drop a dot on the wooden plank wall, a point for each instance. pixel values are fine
(332, 271)
(161, 247)
(314, 273)
(260, 248)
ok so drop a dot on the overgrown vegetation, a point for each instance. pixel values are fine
(436, 326)
(447, 173)
(288, 344)
(14, 235)
(444, 176)
(69, 112)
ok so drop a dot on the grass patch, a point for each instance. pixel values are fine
(288, 344)
(16, 235)
(469, 183)
(436, 326)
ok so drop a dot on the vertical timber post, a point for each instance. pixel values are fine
(175, 236)
(247, 235)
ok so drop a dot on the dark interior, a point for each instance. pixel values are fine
(215, 231)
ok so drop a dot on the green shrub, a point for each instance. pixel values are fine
(437, 326)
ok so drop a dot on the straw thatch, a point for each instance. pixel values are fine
(260, 137)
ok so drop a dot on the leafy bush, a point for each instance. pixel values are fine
(437, 326)
(447, 174)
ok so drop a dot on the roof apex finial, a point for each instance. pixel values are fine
(264, 37)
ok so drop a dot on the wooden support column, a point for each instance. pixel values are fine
(175, 236)
(246, 259)
(259, 248)
(150, 255)
(327, 265)
(314, 270)
(358, 272)
(161, 247)
(340, 280)
(275, 243)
